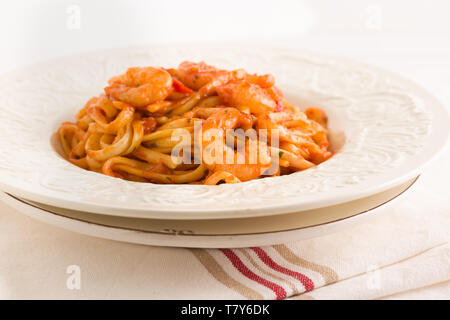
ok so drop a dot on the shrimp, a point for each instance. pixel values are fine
(196, 75)
(140, 87)
(318, 115)
(244, 94)
(228, 119)
(237, 88)
(264, 81)
(207, 79)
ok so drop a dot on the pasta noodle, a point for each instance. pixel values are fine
(195, 124)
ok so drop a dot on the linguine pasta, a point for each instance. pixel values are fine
(195, 124)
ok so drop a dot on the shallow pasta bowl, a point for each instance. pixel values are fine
(383, 128)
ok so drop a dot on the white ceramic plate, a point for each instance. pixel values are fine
(391, 128)
(243, 232)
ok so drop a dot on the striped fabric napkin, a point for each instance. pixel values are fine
(404, 253)
(400, 251)
(394, 255)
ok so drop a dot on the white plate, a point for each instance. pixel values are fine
(243, 232)
(392, 128)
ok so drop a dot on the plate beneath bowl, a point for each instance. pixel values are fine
(392, 128)
(227, 233)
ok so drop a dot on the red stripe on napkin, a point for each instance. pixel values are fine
(239, 265)
(307, 282)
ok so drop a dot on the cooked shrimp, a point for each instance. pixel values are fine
(318, 115)
(196, 75)
(140, 87)
(264, 81)
(245, 94)
(206, 78)
(227, 119)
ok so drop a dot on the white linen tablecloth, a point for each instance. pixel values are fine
(404, 254)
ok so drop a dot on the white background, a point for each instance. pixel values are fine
(411, 37)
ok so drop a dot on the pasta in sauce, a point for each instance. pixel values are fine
(132, 129)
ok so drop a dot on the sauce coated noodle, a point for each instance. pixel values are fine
(128, 131)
